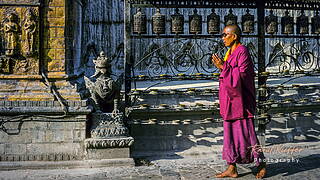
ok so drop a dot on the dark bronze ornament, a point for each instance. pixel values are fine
(213, 23)
(230, 18)
(315, 24)
(287, 24)
(158, 23)
(248, 22)
(302, 24)
(195, 20)
(177, 22)
(139, 22)
(271, 23)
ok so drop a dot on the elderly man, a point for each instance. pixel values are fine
(237, 105)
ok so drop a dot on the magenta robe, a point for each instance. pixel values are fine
(237, 108)
(237, 92)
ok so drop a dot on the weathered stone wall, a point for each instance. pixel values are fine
(43, 139)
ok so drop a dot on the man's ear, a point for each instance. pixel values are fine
(235, 36)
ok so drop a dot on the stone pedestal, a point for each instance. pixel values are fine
(109, 137)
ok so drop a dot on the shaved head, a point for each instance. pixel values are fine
(235, 29)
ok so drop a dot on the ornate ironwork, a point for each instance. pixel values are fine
(248, 22)
(195, 23)
(299, 56)
(287, 24)
(302, 23)
(271, 23)
(213, 23)
(177, 22)
(187, 56)
(140, 22)
(230, 18)
(158, 22)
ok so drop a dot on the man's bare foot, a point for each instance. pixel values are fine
(262, 170)
(230, 172)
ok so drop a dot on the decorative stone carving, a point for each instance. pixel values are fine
(11, 29)
(105, 125)
(108, 131)
(19, 40)
(4, 65)
(29, 27)
(104, 90)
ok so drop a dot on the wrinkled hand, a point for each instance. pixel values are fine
(217, 61)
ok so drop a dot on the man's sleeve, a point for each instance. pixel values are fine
(244, 62)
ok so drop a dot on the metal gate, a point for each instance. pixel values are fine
(168, 40)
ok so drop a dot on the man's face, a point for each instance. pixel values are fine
(228, 37)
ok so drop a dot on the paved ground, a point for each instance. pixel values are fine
(285, 161)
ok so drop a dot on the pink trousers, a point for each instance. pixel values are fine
(240, 142)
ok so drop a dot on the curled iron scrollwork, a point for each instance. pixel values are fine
(301, 55)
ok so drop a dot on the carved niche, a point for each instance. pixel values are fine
(19, 40)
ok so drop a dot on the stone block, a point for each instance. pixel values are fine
(3, 137)
(56, 2)
(2, 149)
(38, 135)
(56, 65)
(79, 135)
(56, 43)
(60, 32)
(22, 137)
(55, 125)
(56, 21)
(54, 148)
(58, 136)
(110, 153)
(60, 12)
(15, 149)
(68, 136)
(60, 54)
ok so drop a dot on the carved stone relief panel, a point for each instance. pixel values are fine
(19, 40)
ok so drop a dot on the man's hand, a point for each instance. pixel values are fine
(217, 61)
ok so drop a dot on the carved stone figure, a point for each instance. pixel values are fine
(11, 29)
(104, 91)
(30, 27)
(4, 64)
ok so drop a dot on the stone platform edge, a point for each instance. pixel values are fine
(14, 165)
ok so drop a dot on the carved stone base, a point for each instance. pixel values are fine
(113, 153)
(118, 142)
(109, 137)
